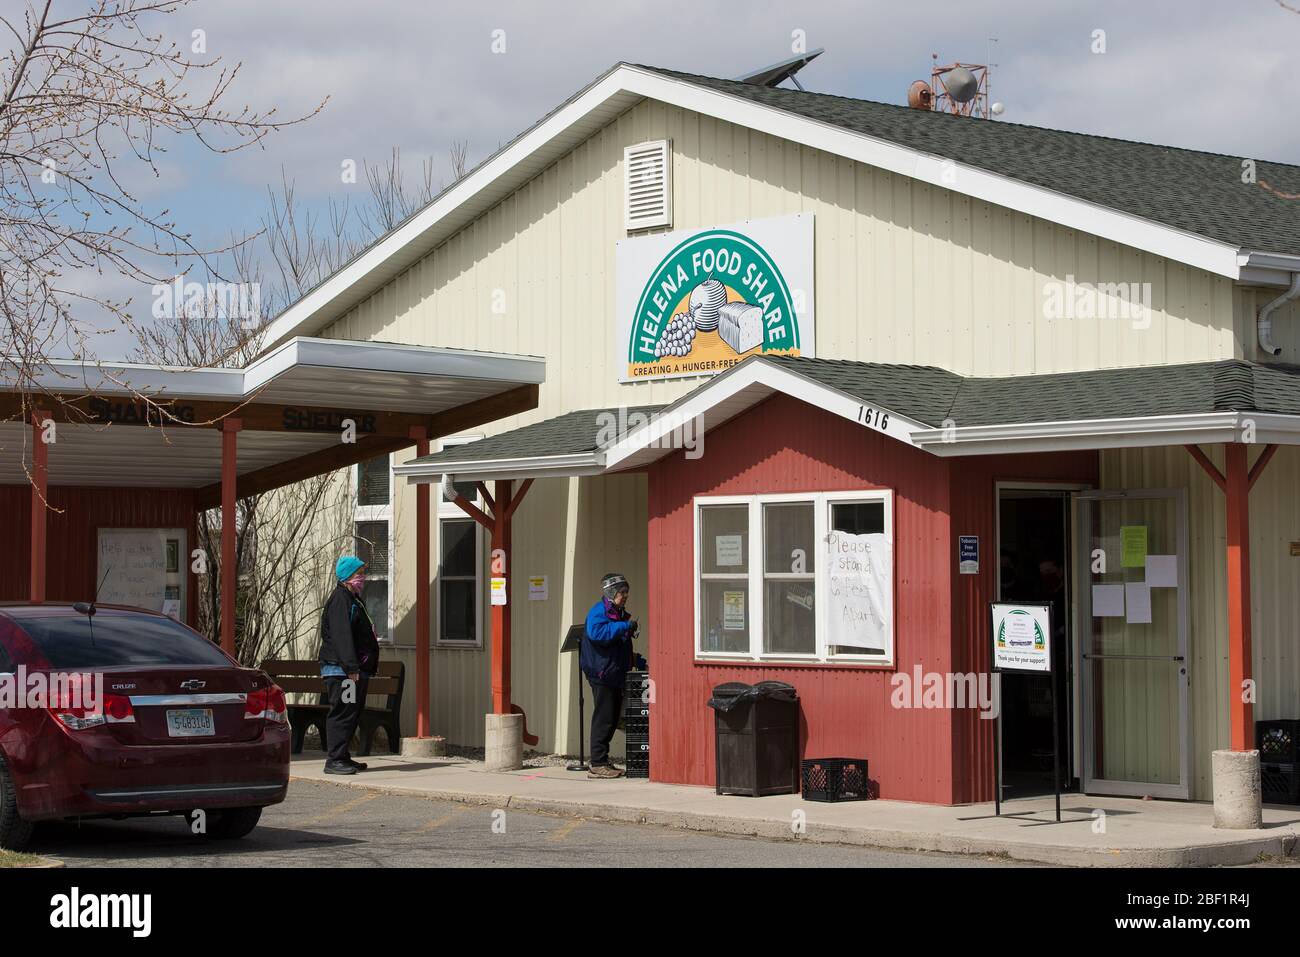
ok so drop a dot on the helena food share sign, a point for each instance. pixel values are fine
(696, 302)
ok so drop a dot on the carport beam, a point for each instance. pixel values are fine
(40, 503)
(229, 572)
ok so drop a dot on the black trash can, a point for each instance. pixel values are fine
(756, 738)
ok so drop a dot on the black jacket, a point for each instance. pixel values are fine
(347, 637)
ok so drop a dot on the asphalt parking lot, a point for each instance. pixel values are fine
(327, 825)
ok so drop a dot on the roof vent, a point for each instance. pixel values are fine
(647, 184)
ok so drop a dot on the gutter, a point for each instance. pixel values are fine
(1264, 321)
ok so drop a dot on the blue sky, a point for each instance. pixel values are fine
(1205, 74)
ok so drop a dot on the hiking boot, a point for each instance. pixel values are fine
(339, 767)
(604, 771)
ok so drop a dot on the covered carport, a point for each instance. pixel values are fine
(87, 445)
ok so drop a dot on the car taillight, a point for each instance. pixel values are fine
(118, 709)
(74, 706)
(267, 703)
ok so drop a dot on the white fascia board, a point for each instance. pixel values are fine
(1138, 432)
(391, 357)
(309, 314)
(103, 377)
(545, 466)
(748, 384)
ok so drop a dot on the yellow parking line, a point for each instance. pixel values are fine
(440, 821)
(339, 809)
(564, 830)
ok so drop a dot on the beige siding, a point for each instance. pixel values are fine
(905, 272)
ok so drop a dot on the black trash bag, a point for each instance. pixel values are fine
(728, 696)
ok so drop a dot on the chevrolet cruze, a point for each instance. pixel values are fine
(108, 711)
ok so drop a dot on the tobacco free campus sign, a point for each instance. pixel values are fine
(697, 302)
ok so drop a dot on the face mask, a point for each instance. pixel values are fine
(355, 583)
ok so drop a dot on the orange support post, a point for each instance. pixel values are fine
(40, 504)
(500, 567)
(229, 573)
(423, 720)
(1240, 709)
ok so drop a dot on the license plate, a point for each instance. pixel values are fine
(190, 723)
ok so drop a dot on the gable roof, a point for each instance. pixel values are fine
(1187, 206)
(1189, 190)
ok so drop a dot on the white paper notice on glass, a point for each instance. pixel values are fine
(1137, 602)
(1107, 601)
(1162, 571)
(728, 550)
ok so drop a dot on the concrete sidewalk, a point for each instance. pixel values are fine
(1094, 832)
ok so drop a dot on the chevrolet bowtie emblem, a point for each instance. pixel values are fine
(193, 684)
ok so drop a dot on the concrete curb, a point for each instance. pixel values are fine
(1229, 852)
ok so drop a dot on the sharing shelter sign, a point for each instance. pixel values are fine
(697, 302)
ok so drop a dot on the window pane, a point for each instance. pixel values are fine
(724, 539)
(375, 598)
(372, 481)
(467, 489)
(457, 544)
(456, 604)
(789, 619)
(788, 538)
(115, 638)
(724, 615)
(372, 547)
(858, 518)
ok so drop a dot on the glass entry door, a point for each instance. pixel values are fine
(1131, 569)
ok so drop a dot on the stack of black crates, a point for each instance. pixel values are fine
(1279, 760)
(636, 723)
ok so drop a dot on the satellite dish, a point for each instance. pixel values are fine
(961, 85)
(919, 96)
(996, 109)
(780, 72)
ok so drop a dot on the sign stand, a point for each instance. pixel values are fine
(1022, 644)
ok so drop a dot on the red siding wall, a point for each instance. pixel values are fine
(73, 542)
(786, 446)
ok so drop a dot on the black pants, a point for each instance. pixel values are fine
(343, 716)
(604, 719)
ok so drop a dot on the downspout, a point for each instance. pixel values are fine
(1264, 323)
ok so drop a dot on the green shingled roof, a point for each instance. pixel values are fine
(931, 395)
(1200, 193)
(570, 434)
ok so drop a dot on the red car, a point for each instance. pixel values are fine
(180, 726)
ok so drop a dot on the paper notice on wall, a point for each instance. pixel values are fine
(499, 591)
(733, 610)
(1133, 546)
(133, 567)
(1107, 601)
(1137, 603)
(860, 590)
(1162, 571)
(537, 588)
(728, 551)
(172, 608)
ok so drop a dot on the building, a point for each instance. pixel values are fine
(999, 349)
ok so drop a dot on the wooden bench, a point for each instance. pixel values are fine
(303, 677)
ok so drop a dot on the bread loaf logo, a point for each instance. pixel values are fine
(715, 299)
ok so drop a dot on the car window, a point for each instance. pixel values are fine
(109, 639)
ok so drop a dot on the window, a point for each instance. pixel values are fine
(460, 564)
(372, 531)
(796, 577)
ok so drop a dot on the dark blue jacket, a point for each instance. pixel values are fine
(606, 652)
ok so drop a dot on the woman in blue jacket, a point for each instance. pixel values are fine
(606, 658)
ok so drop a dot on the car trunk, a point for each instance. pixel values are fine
(188, 704)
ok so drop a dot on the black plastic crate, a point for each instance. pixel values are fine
(637, 744)
(638, 772)
(834, 779)
(1280, 783)
(636, 725)
(636, 712)
(1278, 741)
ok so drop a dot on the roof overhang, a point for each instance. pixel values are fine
(623, 87)
(486, 470)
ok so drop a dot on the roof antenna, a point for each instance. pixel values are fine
(778, 73)
(88, 608)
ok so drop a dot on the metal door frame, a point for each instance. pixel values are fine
(1083, 564)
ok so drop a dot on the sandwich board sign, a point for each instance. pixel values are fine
(1022, 637)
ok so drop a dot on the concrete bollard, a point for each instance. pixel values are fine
(1237, 790)
(433, 747)
(504, 742)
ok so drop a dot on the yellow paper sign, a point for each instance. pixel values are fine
(1133, 546)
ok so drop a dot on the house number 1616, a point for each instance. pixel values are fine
(873, 417)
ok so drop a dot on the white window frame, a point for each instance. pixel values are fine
(754, 620)
(449, 510)
(376, 513)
